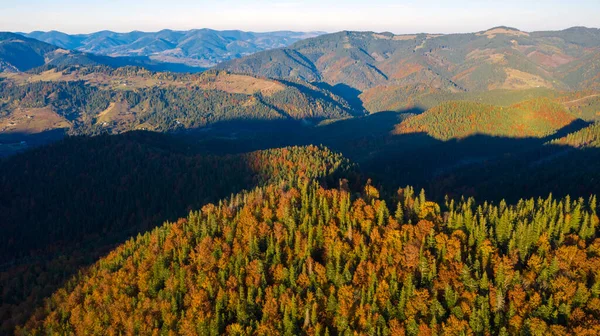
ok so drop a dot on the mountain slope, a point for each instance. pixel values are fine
(311, 260)
(100, 99)
(197, 47)
(19, 53)
(499, 58)
(65, 205)
(459, 119)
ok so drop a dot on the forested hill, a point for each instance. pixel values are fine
(459, 119)
(410, 65)
(65, 205)
(310, 260)
(99, 184)
(285, 182)
(92, 100)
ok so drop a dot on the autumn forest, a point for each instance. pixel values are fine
(206, 182)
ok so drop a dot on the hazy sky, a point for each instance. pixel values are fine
(445, 16)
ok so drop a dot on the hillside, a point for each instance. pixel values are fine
(93, 100)
(459, 119)
(588, 137)
(196, 48)
(585, 105)
(19, 53)
(98, 173)
(311, 260)
(409, 65)
(276, 176)
(67, 204)
(455, 148)
(565, 165)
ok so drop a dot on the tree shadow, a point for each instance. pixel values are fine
(15, 142)
(455, 167)
(487, 167)
(67, 204)
(344, 135)
(166, 175)
(350, 94)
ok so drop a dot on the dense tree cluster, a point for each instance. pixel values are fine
(189, 104)
(583, 104)
(297, 258)
(65, 205)
(283, 252)
(114, 183)
(457, 119)
(587, 137)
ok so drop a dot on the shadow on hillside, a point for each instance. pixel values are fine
(144, 62)
(356, 108)
(487, 167)
(136, 181)
(66, 205)
(341, 135)
(15, 142)
(350, 94)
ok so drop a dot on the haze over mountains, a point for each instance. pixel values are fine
(198, 47)
(19, 53)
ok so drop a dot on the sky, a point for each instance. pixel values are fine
(442, 16)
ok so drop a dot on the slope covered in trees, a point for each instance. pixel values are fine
(458, 119)
(585, 105)
(116, 179)
(470, 114)
(391, 99)
(65, 205)
(384, 66)
(588, 137)
(297, 258)
(467, 148)
(100, 99)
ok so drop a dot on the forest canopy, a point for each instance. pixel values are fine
(296, 258)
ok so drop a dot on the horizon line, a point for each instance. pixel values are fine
(323, 32)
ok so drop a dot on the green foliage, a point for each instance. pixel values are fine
(458, 119)
(585, 105)
(166, 107)
(298, 258)
(409, 67)
(65, 205)
(588, 137)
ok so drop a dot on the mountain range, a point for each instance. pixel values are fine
(391, 72)
(19, 53)
(197, 47)
(302, 149)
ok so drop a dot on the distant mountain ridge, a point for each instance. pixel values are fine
(196, 47)
(19, 53)
(386, 68)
